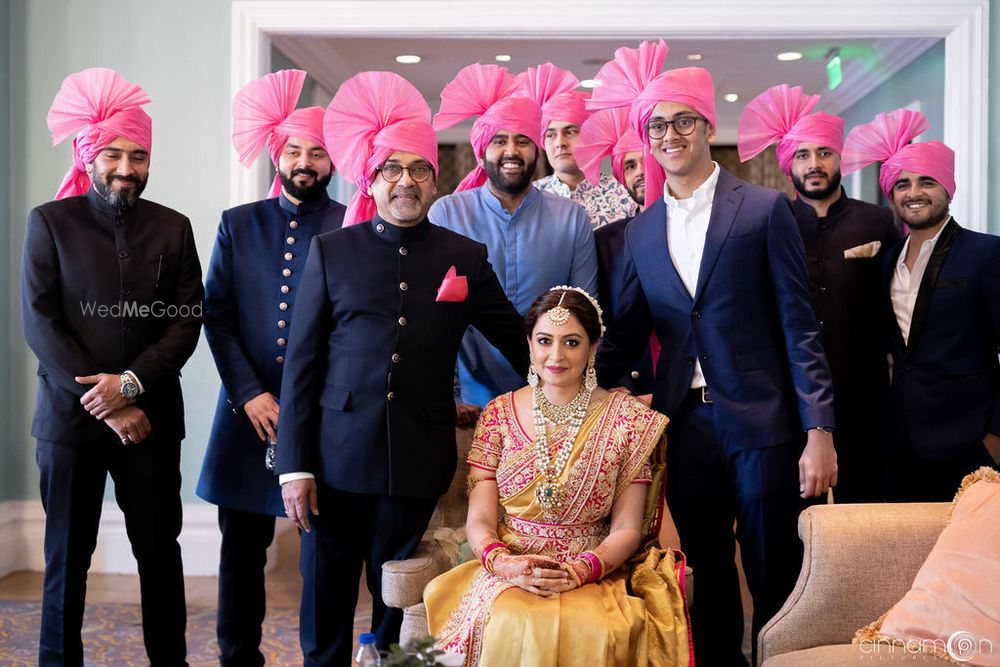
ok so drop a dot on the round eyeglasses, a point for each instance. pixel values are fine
(393, 172)
(683, 125)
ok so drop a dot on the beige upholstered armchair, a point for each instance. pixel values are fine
(403, 581)
(859, 561)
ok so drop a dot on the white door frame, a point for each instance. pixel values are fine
(963, 24)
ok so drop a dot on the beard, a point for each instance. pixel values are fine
(123, 198)
(832, 186)
(638, 191)
(305, 192)
(934, 216)
(506, 184)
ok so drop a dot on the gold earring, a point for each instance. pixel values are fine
(590, 377)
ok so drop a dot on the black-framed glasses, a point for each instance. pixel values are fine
(683, 125)
(393, 172)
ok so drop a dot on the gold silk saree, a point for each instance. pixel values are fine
(634, 616)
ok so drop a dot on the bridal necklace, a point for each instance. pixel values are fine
(548, 492)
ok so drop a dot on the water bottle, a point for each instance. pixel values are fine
(368, 655)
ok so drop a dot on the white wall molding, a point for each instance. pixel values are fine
(22, 533)
(963, 24)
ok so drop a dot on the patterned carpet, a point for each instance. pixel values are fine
(112, 635)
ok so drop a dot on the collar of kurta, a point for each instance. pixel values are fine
(805, 211)
(492, 202)
(395, 235)
(306, 207)
(106, 210)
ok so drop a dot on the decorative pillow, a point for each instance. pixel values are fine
(953, 608)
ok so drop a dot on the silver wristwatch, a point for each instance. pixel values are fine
(129, 388)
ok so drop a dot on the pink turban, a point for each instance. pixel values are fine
(372, 116)
(606, 132)
(633, 80)
(781, 115)
(887, 139)
(551, 88)
(99, 105)
(264, 113)
(487, 90)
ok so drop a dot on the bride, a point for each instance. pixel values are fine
(565, 501)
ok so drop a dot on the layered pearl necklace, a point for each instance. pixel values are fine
(549, 492)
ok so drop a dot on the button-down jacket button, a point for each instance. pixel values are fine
(126, 292)
(286, 272)
(289, 256)
(281, 342)
(635, 375)
(391, 395)
(285, 289)
(395, 358)
(402, 321)
(282, 324)
(123, 254)
(380, 228)
(404, 286)
(290, 240)
(282, 306)
(294, 224)
(235, 411)
(822, 290)
(403, 250)
(279, 359)
(696, 314)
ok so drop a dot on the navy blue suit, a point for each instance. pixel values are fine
(609, 241)
(945, 391)
(249, 301)
(751, 324)
(368, 406)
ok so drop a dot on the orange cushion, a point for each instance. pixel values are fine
(953, 608)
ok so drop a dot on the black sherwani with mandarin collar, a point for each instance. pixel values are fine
(81, 255)
(368, 406)
(846, 294)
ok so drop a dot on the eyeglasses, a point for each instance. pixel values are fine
(683, 125)
(393, 172)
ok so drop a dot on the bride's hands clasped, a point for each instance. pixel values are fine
(536, 574)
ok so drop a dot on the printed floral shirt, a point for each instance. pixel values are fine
(605, 202)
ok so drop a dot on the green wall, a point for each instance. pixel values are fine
(7, 472)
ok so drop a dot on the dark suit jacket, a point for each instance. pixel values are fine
(79, 256)
(750, 320)
(367, 393)
(609, 241)
(945, 390)
(249, 304)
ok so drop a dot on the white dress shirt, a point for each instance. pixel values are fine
(906, 282)
(687, 226)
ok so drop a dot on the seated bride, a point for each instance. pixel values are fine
(565, 502)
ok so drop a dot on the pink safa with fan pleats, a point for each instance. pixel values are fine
(264, 113)
(780, 115)
(372, 116)
(492, 93)
(887, 139)
(552, 89)
(633, 80)
(606, 132)
(98, 105)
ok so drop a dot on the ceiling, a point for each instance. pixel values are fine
(741, 66)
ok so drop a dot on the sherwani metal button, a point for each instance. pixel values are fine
(403, 251)
(403, 286)
(402, 321)
(390, 395)
(282, 306)
(281, 342)
(286, 272)
(290, 240)
(289, 256)
(380, 228)
(285, 289)
(279, 359)
(294, 224)
(395, 358)
(282, 324)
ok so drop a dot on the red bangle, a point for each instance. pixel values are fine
(487, 562)
(596, 566)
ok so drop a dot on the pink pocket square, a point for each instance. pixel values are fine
(454, 287)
